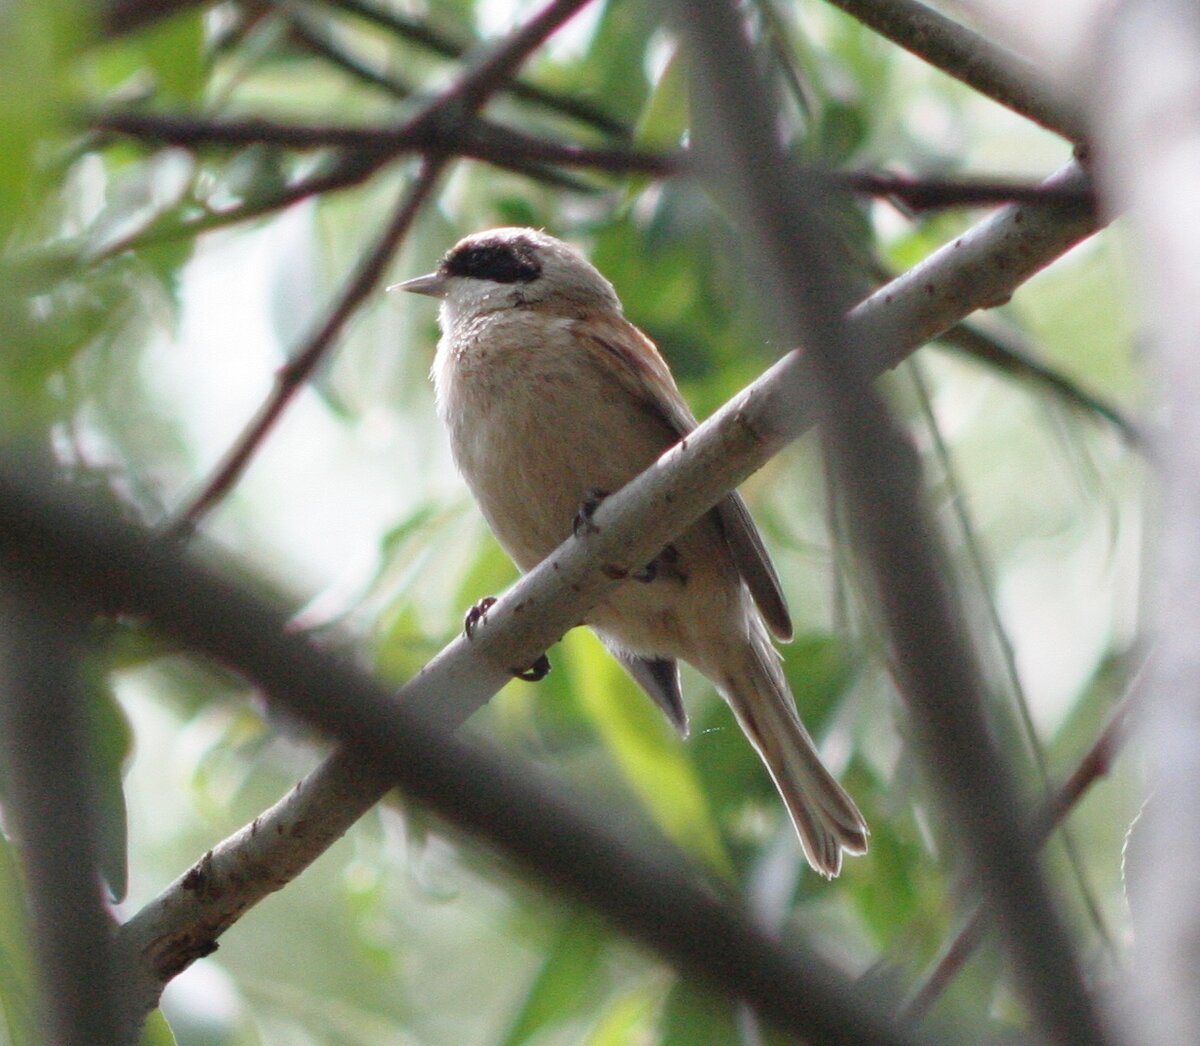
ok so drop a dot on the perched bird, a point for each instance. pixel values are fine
(550, 396)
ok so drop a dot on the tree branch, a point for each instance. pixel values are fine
(970, 58)
(802, 278)
(292, 377)
(648, 892)
(455, 107)
(447, 46)
(49, 806)
(983, 266)
(1096, 764)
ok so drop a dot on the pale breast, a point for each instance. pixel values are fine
(535, 425)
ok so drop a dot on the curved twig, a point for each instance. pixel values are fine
(984, 265)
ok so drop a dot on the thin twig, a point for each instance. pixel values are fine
(800, 269)
(1008, 656)
(447, 46)
(343, 171)
(457, 105)
(1005, 354)
(321, 43)
(296, 372)
(1096, 764)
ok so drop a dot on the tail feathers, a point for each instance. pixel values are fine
(825, 817)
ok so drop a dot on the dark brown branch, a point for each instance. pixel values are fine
(118, 17)
(508, 147)
(800, 273)
(646, 891)
(292, 377)
(448, 46)
(455, 107)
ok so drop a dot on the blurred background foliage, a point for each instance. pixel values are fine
(145, 312)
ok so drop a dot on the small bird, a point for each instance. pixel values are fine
(551, 397)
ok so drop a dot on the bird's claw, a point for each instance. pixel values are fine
(476, 614)
(582, 523)
(536, 672)
(668, 557)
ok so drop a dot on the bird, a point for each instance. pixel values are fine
(551, 399)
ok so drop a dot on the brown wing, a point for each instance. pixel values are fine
(753, 563)
(634, 361)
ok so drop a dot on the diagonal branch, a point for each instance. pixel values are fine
(292, 377)
(447, 46)
(454, 107)
(803, 279)
(1095, 765)
(647, 891)
(983, 266)
(994, 72)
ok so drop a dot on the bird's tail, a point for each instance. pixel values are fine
(825, 817)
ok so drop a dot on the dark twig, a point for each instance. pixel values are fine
(448, 46)
(645, 890)
(293, 375)
(343, 171)
(456, 107)
(1006, 355)
(118, 17)
(800, 274)
(1096, 764)
(508, 147)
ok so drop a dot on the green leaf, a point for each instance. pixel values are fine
(566, 980)
(664, 119)
(156, 1031)
(18, 1001)
(693, 1017)
(646, 749)
(627, 1019)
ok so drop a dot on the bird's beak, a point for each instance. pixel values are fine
(433, 284)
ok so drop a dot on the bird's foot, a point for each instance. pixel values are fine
(476, 614)
(582, 523)
(663, 563)
(535, 672)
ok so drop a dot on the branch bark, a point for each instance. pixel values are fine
(803, 277)
(76, 549)
(978, 269)
(971, 58)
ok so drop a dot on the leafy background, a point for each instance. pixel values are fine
(137, 348)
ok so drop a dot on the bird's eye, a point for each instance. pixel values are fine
(499, 262)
